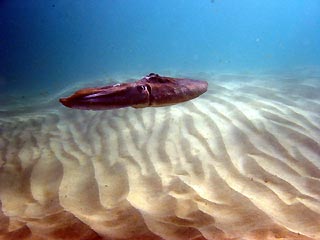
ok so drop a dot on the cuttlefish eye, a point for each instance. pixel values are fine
(142, 88)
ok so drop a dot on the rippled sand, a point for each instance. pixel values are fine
(240, 162)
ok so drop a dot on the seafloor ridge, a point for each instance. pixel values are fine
(240, 162)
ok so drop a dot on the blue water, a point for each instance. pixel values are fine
(47, 45)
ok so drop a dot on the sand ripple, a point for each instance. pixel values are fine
(240, 162)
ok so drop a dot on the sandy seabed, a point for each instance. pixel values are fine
(240, 162)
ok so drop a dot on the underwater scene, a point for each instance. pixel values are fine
(160, 120)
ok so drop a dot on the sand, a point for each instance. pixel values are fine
(240, 162)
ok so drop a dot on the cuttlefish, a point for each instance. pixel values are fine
(150, 91)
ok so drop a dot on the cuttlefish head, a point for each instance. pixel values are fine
(108, 97)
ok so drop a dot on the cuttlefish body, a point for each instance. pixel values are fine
(150, 91)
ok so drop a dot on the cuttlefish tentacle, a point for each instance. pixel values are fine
(152, 90)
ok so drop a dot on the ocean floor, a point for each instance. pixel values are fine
(241, 161)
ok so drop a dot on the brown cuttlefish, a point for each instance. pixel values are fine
(151, 91)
